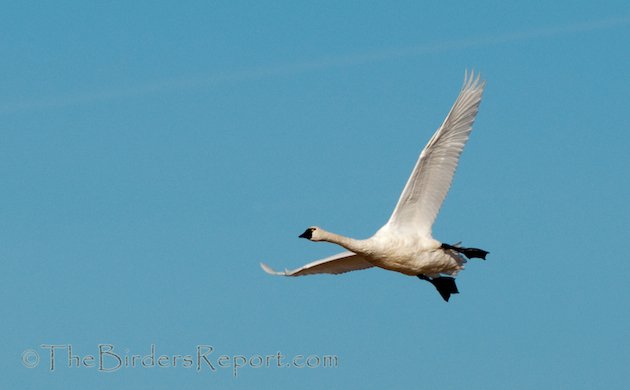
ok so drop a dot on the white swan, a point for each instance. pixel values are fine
(404, 244)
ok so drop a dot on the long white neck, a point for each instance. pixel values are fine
(356, 246)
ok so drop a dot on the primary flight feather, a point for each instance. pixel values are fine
(404, 244)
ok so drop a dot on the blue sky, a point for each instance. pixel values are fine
(152, 155)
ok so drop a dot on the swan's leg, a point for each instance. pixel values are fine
(444, 284)
(470, 253)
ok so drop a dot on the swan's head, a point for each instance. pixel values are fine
(313, 233)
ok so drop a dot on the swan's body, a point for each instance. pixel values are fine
(404, 244)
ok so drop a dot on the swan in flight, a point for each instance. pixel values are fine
(404, 244)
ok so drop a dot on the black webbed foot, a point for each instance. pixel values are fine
(444, 284)
(471, 253)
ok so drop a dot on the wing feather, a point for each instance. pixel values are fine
(337, 264)
(432, 175)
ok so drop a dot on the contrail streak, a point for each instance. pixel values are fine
(256, 73)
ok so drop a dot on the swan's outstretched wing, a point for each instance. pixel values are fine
(431, 178)
(337, 264)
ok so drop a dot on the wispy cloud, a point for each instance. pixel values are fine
(352, 59)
